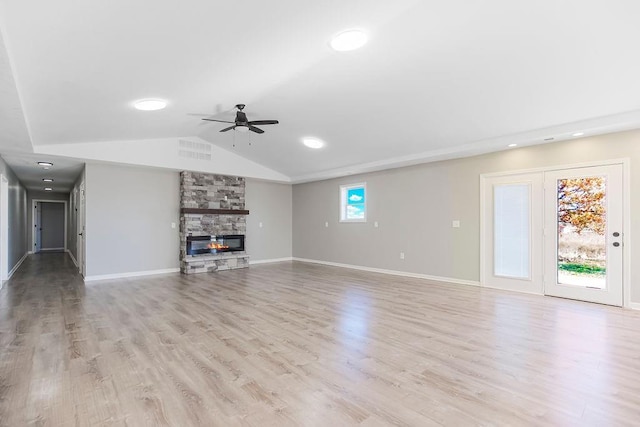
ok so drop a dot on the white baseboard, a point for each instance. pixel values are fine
(18, 264)
(72, 257)
(52, 249)
(634, 305)
(131, 274)
(393, 272)
(269, 261)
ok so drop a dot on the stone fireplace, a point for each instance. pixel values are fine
(212, 222)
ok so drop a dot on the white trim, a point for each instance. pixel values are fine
(392, 272)
(72, 257)
(634, 305)
(52, 249)
(269, 261)
(18, 264)
(131, 274)
(594, 163)
(4, 228)
(626, 242)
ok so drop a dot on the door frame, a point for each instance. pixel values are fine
(626, 216)
(33, 221)
(4, 229)
(80, 231)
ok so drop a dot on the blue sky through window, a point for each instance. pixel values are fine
(355, 203)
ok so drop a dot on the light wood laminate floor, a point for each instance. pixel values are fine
(309, 345)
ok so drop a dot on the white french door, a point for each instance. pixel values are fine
(555, 232)
(583, 223)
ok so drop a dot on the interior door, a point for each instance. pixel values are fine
(583, 234)
(37, 228)
(512, 229)
(52, 220)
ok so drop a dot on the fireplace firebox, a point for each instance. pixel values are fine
(199, 245)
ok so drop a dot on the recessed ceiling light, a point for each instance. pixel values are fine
(150, 104)
(45, 164)
(48, 189)
(47, 179)
(348, 40)
(578, 134)
(313, 143)
(512, 145)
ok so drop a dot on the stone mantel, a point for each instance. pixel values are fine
(214, 211)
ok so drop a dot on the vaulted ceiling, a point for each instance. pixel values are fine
(437, 79)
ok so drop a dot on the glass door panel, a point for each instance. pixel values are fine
(581, 226)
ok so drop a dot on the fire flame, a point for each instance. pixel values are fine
(217, 246)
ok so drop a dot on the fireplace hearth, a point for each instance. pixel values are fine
(204, 245)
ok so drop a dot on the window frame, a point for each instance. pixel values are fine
(344, 190)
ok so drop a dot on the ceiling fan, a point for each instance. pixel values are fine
(242, 123)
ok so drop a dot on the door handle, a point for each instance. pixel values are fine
(616, 244)
(79, 234)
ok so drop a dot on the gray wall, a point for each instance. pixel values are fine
(129, 211)
(269, 204)
(40, 195)
(18, 246)
(415, 206)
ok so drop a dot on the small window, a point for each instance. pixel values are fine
(353, 203)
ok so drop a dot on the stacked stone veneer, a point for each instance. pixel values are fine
(208, 191)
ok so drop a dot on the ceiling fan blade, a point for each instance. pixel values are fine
(229, 128)
(255, 129)
(221, 121)
(264, 122)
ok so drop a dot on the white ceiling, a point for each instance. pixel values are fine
(438, 79)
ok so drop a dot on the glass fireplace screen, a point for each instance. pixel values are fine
(197, 245)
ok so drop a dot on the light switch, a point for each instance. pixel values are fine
(260, 224)
(173, 225)
(375, 224)
(326, 224)
(455, 224)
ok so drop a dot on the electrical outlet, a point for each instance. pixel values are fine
(455, 224)
(401, 255)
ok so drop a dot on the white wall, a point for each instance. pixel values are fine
(269, 204)
(416, 205)
(129, 211)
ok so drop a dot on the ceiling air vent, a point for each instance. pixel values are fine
(194, 150)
